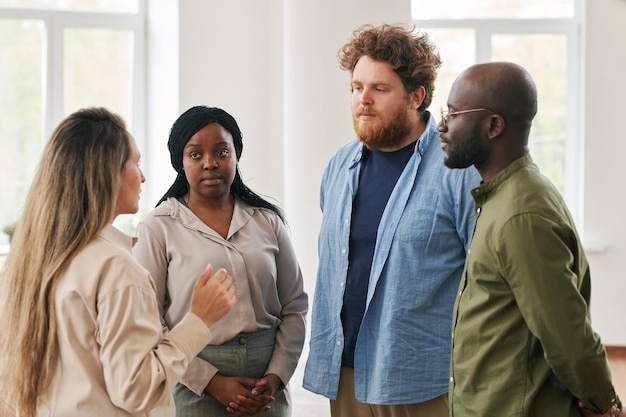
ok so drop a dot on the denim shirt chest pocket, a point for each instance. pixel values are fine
(418, 220)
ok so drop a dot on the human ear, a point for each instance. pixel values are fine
(496, 126)
(417, 97)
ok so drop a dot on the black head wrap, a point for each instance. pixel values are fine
(187, 125)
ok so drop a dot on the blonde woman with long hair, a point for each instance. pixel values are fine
(81, 328)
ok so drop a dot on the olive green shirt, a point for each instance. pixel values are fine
(522, 338)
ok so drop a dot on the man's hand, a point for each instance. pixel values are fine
(611, 412)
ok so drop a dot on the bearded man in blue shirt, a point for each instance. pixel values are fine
(393, 239)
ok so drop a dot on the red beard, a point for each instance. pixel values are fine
(378, 133)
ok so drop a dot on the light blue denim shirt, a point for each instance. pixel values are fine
(402, 354)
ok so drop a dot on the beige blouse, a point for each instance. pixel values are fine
(175, 245)
(113, 358)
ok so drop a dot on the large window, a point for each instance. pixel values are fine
(57, 56)
(541, 35)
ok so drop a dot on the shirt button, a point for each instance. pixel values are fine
(243, 340)
(343, 251)
(451, 379)
(341, 284)
(478, 210)
(338, 342)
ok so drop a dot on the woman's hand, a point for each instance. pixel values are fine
(235, 394)
(267, 385)
(213, 297)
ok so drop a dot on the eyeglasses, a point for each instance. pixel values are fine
(445, 114)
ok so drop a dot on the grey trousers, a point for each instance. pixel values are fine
(246, 355)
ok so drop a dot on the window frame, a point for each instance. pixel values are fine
(571, 28)
(55, 22)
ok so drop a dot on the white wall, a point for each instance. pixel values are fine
(605, 146)
(230, 57)
(222, 54)
(162, 88)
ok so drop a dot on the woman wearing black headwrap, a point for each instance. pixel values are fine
(210, 215)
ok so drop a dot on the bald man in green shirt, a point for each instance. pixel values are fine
(522, 341)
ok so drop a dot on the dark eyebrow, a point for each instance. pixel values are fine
(375, 84)
(223, 144)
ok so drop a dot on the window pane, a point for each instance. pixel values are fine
(490, 9)
(21, 126)
(457, 48)
(98, 70)
(545, 57)
(113, 6)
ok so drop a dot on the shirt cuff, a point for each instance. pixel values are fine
(191, 335)
(198, 375)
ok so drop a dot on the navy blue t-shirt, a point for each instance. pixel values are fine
(378, 176)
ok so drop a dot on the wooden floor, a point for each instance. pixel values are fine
(617, 361)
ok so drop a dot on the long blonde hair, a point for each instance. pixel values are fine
(72, 197)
